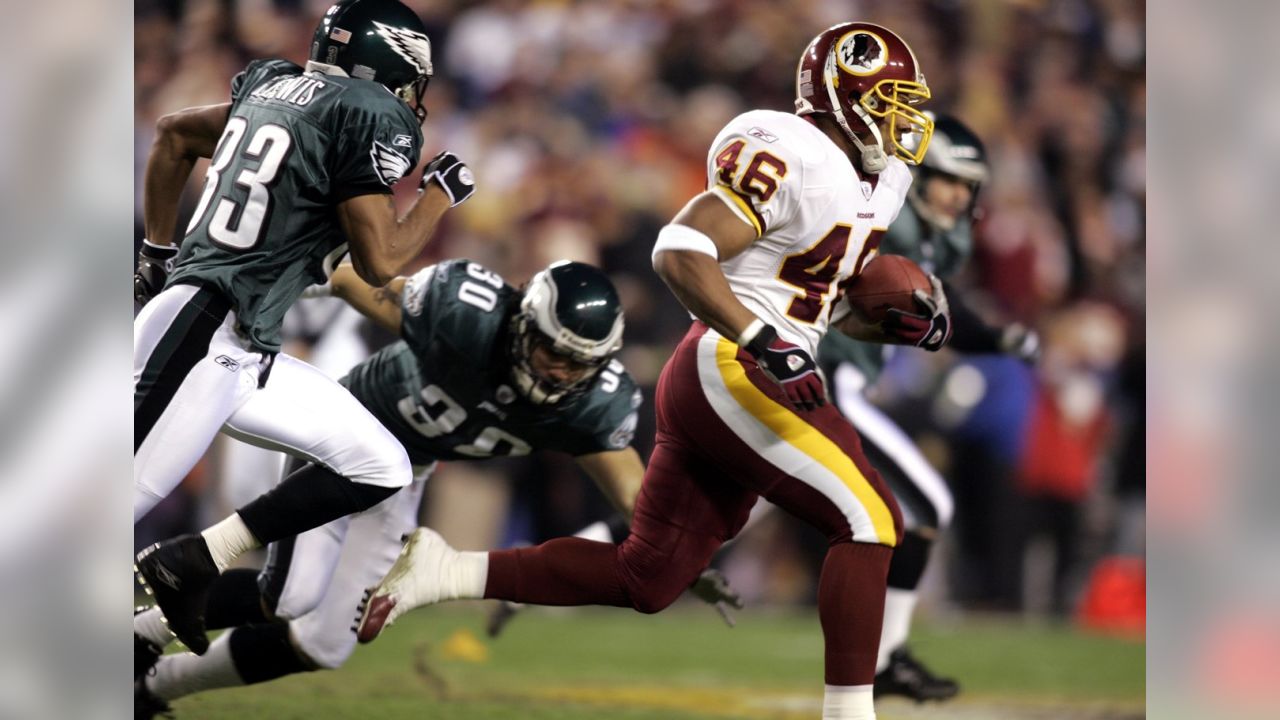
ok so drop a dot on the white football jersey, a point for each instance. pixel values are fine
(818, 221)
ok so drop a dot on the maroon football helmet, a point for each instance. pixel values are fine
(860, 74)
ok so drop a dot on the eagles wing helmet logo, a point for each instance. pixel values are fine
(414, 47)
(388, 164)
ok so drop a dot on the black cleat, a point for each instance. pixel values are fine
(147, 706)
(178, 574)
(502, 615)
(145, 653)
(908, 677)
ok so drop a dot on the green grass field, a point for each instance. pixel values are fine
(681, 665)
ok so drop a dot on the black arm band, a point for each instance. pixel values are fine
(969, 333)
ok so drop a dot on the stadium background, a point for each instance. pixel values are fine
(587, 125)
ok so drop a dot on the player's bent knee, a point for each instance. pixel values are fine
(323, 648)
(657, 598)
(386, 465)
(298, 601)
(655, 579)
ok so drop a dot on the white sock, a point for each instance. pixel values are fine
(899, 606)
(465, 577)
(150, 624)
(229, 540)
(186, 673)
(848, 702)
(598, 531)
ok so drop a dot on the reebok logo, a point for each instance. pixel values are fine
(795, 362)
(227, 363)
(867, 216)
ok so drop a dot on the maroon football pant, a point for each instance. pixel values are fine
(726, 435)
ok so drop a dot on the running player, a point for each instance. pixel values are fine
(303, 160)
(796, 205)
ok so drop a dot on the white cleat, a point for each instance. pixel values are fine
(413, 581)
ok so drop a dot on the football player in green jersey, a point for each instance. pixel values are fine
(935, 231)
(303, 160)
(482, 370)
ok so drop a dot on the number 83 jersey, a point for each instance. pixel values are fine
(295, 145)
(445, 391)
(817, 221)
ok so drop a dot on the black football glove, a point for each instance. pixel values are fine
(931, 328)
(790, 366)
(1021, 342)
(453, 176)
(713, 588)
(155, 262)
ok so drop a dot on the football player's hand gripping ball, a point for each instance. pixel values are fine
(452, 175)
(790, 366)
(155, 262)
(930, 328)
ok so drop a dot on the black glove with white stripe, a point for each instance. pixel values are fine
(453, 176)
(155, 262)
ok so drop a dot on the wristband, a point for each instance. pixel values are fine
(750, 332)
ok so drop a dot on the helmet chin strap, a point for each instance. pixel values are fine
(873, 157)
(324, 69)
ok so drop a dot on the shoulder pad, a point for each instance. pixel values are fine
(756, 165)
(259, 70)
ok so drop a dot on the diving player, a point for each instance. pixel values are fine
(482, 370)
(303, 161)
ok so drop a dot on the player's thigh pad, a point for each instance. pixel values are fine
(191, 371)
(373, 541)
(809, 463)
(922, 493)
(303, 412)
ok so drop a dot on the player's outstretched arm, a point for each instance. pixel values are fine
(382, 244)
(618, 473)
(379, 304)
(181, 138)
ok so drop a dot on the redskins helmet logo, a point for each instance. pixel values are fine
(862, 53)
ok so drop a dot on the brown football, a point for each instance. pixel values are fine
(888, 281)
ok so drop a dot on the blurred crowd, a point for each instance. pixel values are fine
(587, 124)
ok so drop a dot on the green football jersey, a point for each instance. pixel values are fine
(295, 145)
(942, 254)
(445, 389)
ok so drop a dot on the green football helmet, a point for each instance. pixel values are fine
(570, 315)
(379, 40)
(955, 152)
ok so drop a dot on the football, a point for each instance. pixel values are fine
(888, 281)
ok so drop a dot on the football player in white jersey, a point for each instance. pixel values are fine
(795, 206)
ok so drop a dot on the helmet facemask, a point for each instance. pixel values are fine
(412, 94)
(566, 329)
(540, 388)
(894, 99)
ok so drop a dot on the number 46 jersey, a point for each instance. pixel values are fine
(295, 145)
(817, 221)
(445, 389)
